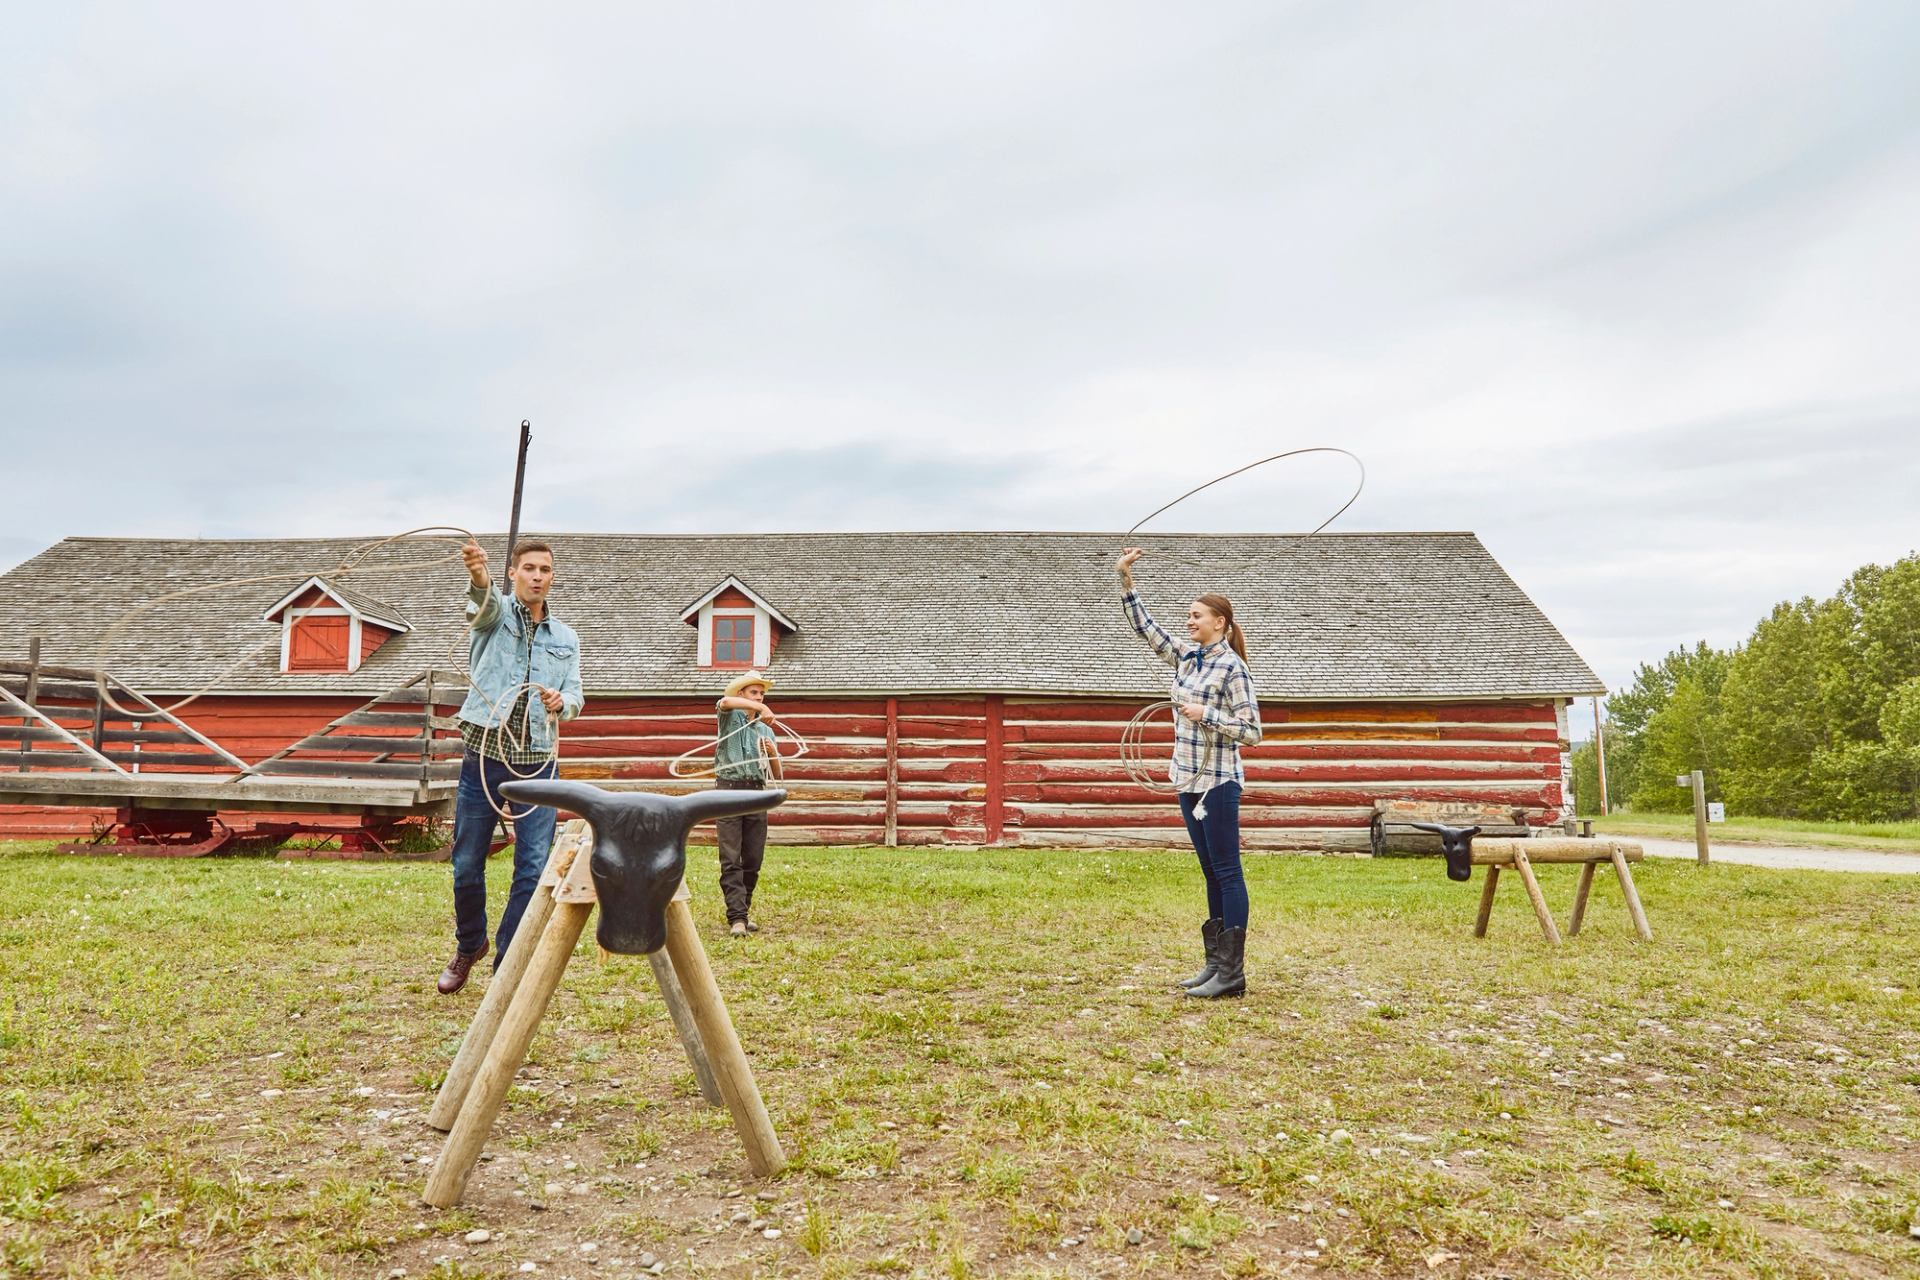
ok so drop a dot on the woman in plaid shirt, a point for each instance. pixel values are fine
(1217, 714)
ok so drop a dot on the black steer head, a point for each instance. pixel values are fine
(639, 848)
(1457, 844)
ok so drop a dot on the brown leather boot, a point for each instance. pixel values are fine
(454, 976)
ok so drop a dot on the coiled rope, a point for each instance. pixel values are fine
(517, 739)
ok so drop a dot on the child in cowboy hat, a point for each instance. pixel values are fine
(740, 763)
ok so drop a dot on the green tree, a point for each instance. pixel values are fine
(1586, 780)
(1889, 644)
(1771, 717)
(1679, 739)
(1632, 709)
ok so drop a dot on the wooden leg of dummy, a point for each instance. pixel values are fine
(1634, 909)
(1487, 884)
(507, 1052)
(1580, 900)
(493, 1007)
(683, 1024)
(1547, 926)
(729, 1061)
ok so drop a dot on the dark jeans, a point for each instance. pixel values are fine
(743, 847)
(1216, 838)
(473, 820)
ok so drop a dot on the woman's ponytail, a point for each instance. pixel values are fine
(1238, 639)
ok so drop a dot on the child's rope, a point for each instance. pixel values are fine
(681, 765)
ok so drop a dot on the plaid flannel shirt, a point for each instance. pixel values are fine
(1205, 753)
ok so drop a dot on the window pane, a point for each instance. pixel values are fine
(733, 640)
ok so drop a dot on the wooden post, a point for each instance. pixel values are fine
(505, 1055)
(1700, 815)
(1487, 885)
(1539, 900)
(1600, 754)
(519, 484)
(996, 817)
(426, 740)
(498, 998)
(893, 772)
(33, 699)
(729, 1061)
(1580, 899)
(1624, 874)
(683, 1024)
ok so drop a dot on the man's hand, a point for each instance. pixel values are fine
(1124, 565)
(551, 697)
(1193, 711)
(476, 563)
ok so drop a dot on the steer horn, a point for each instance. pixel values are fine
(1456, 843)
(639, 848)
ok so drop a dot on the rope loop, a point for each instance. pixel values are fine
(351, 565)
(681, 766)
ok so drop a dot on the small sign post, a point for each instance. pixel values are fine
(1698, 781)
(1716, 812)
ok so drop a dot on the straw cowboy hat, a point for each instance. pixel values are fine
(744, 679)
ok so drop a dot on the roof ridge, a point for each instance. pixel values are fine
(828, 533)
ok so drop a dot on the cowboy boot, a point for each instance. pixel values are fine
(1230, 977)
(1210, 946)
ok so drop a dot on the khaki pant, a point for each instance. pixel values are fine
(743, 847)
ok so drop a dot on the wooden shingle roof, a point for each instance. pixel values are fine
(1333, 617)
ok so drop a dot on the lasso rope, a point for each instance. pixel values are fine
(1133, 737)
(490, 735)
(1358, 489)
(680, 765)
(351, 565)
(502, 730)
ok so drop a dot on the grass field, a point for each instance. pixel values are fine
(221, 1067)
(1888, 837)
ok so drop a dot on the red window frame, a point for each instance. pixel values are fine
(738, 638)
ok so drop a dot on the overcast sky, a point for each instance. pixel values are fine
(1629, 289)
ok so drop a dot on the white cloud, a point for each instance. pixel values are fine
(1625, 288)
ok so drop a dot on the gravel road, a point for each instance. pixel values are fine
(1789, 857)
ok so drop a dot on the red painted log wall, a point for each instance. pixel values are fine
(1020, 771)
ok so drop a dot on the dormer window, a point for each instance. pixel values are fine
(733, 639)
(735, 627)
(329, 629)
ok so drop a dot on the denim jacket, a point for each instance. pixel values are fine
(500, 659)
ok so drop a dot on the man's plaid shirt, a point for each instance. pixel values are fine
(1205, 753)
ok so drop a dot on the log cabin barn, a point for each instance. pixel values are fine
(957, 688)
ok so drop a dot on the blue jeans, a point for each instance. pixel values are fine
(473, 820)
(1216, 838)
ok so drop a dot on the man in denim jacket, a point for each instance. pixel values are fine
(521, 655)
